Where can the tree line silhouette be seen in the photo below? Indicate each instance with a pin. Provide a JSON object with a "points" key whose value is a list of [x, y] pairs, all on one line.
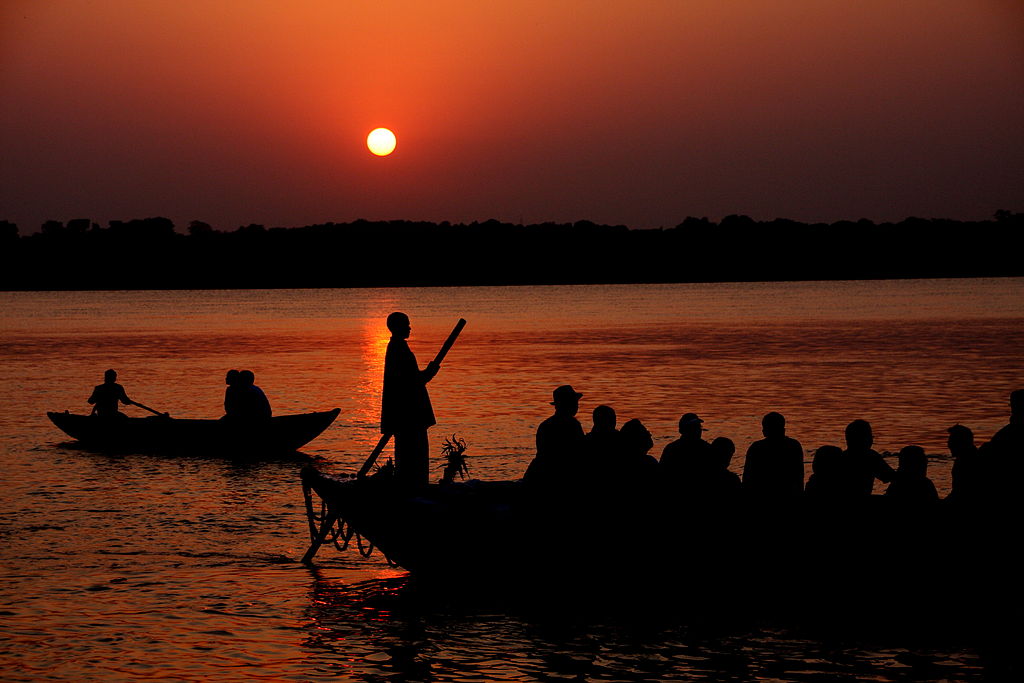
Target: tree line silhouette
{"points": [[149, 253]]}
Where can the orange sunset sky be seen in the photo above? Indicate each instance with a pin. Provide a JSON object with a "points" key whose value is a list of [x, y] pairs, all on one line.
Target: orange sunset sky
{"points": [[638, 112]]}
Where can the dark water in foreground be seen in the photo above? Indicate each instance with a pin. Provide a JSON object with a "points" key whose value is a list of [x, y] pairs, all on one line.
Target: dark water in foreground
{"points": [[142, 566]]}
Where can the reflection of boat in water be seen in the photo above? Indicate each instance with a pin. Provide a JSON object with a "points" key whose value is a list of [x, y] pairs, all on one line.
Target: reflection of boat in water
{"points": [[830, 559], [279, 434]]}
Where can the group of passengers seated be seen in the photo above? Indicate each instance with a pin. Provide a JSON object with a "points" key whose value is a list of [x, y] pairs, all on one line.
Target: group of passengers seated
{"points": [[243, 400], [618, 460]]}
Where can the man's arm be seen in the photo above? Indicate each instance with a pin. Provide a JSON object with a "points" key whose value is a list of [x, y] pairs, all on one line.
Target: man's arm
{"points": [[428, 373]]}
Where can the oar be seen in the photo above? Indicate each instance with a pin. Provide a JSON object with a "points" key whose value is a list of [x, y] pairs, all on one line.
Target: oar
{"points": [[445, 348], [155, 412]]}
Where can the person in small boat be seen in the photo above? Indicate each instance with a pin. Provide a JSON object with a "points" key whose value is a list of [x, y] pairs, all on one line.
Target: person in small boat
{"points": [[861, 464], [910, 483], [560, 440], [826, 481], [105, 397], [405, 409], [968, 472], [774, 466], [724, 483], [1003, 456], [233, 398], [254, 403], [687, 462]]}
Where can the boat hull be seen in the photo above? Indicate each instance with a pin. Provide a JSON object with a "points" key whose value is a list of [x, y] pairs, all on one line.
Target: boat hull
{"points": [[824, 559], [280, 434]]}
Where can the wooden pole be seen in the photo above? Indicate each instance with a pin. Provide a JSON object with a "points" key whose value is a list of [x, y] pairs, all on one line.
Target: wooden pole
{"points": [[325, 529], [450, 341], [373, 455]]}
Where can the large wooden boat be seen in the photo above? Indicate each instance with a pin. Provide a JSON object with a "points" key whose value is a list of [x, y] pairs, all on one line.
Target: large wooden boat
{"points": [[279, 434], [933, 561]]}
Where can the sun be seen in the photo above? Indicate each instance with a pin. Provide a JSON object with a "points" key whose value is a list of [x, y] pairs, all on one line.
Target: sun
{"points": [[381, 141]]}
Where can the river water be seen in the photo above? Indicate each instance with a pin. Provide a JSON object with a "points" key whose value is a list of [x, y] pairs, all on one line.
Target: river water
{"points": [[143, 566]]}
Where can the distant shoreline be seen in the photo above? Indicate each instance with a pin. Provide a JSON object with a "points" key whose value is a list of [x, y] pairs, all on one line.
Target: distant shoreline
{"points": [[530, 284], [149, 254]]}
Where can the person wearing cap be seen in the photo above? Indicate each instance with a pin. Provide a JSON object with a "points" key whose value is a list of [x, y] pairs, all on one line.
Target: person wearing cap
{"points": [[862, 464], [968, 475], [405, 405], [687, 462], [774, 466], [559, 441]]}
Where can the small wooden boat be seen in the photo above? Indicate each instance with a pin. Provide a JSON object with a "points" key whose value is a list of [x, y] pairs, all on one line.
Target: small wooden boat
{"points": [[279, 434]]}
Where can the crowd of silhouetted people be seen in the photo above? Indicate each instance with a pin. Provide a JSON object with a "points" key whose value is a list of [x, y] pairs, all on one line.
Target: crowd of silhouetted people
{"points": [[611, 460]]}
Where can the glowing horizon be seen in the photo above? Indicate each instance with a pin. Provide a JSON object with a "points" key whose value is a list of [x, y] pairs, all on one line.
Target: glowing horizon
{"points": [[804, 110]]}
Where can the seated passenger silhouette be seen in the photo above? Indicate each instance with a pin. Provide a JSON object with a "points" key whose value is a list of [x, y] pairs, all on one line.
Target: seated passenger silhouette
{"points": [[910, 483], [1003, 457], [255, 405], [861, 464], [774, 466], [602, 441], [723, 484], [626, 473], [968, 474], [635, 463], [233, 396], [827, 481], [687, 462], [106, 396], [559, 442]]}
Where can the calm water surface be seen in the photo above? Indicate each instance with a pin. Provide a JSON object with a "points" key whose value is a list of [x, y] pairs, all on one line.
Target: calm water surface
{"points": [[140, 566]]}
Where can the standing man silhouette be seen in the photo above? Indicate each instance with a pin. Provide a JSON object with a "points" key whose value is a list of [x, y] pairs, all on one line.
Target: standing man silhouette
{"points": [[405, 405]]}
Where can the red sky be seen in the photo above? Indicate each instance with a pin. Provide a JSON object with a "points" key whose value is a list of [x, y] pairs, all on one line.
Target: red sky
{"points": [[638, 112]]}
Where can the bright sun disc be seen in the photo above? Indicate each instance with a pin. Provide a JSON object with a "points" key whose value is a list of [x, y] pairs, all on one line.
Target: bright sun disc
{"points": [[381, 141]]}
